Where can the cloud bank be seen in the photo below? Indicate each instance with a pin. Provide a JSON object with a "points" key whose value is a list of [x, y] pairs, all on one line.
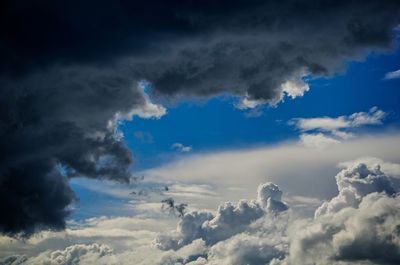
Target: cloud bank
{"points": [[360, 225]]}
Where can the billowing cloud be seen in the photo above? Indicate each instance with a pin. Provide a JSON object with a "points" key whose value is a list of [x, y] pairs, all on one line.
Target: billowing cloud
{"points": [[358, 226], [70, 69], [71, 127], [229, 220]]}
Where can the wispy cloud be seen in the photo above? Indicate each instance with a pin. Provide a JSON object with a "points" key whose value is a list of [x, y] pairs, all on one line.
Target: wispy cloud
{"points": [[373, 117], [392, 75], [324, 131], [181, 147]]}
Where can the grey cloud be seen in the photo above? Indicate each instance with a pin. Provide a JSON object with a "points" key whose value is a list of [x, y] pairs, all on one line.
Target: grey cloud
{"points": [[63, 120], [366, 234]]}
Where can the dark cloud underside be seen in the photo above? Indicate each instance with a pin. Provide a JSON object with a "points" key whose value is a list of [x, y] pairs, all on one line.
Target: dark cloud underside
{"points": [[68, 67]]}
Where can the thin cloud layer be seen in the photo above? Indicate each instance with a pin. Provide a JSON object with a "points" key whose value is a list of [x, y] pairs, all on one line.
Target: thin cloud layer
{"points": [[374, 116], [323, 132]]}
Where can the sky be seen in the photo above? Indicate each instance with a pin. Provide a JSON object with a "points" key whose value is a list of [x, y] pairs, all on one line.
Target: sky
{"points": [[200, 133]]}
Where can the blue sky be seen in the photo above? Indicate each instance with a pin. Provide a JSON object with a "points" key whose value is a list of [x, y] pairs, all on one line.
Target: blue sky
{"points": [[216, 124]]}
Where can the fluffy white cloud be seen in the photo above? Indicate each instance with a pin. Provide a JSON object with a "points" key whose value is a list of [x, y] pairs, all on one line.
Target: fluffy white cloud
{"points": [[354, 183], [358, 226], [230, 219], [366, 234], [293, 88]]}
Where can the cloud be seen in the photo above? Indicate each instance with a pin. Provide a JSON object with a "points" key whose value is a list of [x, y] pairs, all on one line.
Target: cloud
{"points": [[373, 117], [71, 126], [358, 226], [359, 230], [62, 93], [318, 140], [354, 183], [330, 131], [146, 110], [249, 167], [205, 49], [181, 147], [392, 75], [229, 220]]}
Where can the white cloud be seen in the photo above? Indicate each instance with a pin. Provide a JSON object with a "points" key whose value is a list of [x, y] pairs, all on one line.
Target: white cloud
{"points": [[358, 226], [290, 165], [392, 169], [230, 219], [148, 110], [181, 147], [373, 117], [354, 183], [247, 103], [295, 88], [392, 75], [318, 140], [327, 131]]}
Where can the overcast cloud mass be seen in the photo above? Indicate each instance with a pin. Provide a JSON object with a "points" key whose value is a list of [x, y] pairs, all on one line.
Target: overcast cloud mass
{"points": [[73, 72]]}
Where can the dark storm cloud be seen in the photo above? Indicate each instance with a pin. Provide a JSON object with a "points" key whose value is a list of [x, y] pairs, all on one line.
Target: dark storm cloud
{"points": [[68, 67], [58, 118]]}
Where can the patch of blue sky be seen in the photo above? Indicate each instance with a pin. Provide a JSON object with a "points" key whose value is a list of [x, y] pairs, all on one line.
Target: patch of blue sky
{"points": [[217, 124]]}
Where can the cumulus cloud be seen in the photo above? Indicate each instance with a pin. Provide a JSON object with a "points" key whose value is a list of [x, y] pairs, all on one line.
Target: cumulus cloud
{"points": [[229, 219], [354, 183], [360, 225]]}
